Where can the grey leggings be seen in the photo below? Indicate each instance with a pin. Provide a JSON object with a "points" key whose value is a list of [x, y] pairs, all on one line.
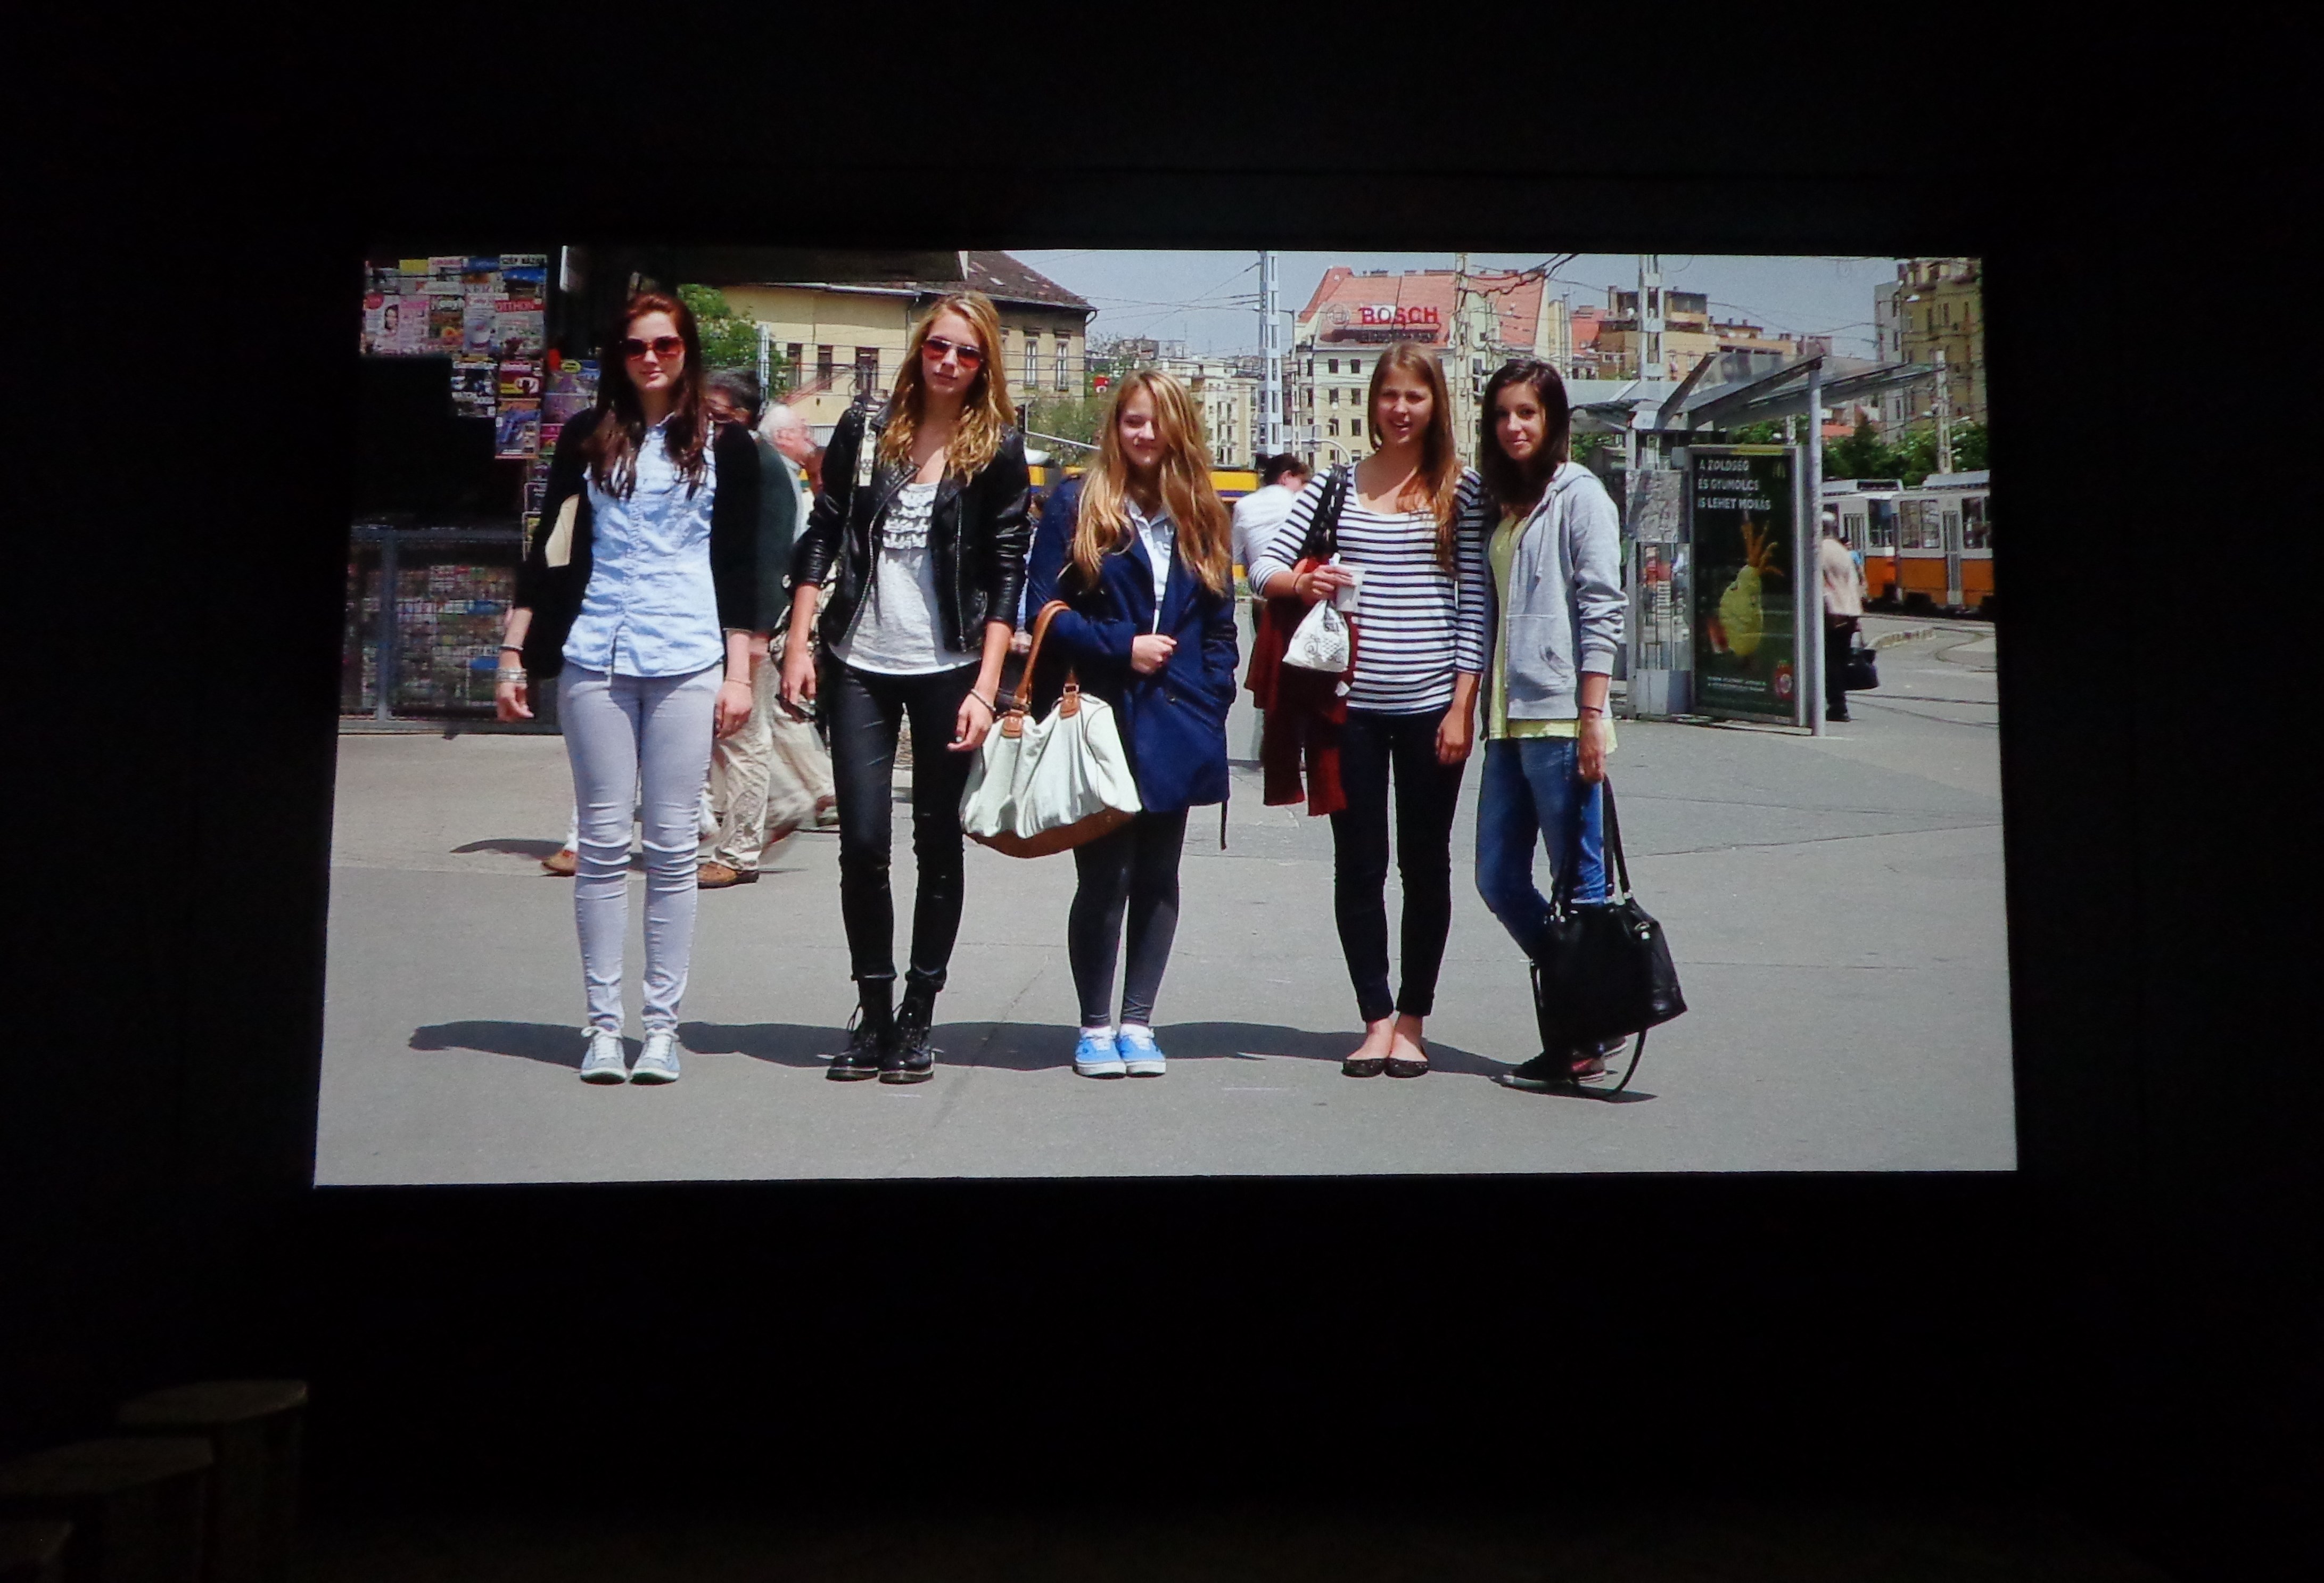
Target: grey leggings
{"points": [[646, 738], [1134, 869]]}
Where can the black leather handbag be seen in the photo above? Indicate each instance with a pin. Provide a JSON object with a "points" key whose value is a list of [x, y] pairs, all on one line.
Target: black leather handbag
{"points": [[1606, 971], [1862, 674]]}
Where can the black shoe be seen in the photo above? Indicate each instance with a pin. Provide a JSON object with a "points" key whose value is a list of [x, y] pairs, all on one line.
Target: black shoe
{"points": [[1837, 717], [910, 1058], [865, 1049], [1567, 1070]]}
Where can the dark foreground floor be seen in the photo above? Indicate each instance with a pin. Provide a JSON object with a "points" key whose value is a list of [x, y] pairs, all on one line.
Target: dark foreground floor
{"points": [[1621, 1540]]}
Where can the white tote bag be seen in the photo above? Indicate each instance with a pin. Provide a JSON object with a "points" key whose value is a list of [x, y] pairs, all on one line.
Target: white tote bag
{"points": [[1047, 785]]}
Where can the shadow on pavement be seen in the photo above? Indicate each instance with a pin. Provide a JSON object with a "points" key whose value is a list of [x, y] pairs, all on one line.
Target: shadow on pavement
{"points": [[786, 1044], [515, 846], [552, 1043], [1040, 1047]]}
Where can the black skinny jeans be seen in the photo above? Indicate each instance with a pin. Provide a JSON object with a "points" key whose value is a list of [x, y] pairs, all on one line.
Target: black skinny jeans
{"points": [[1428, 795], [865, 709], [1132, 869]]}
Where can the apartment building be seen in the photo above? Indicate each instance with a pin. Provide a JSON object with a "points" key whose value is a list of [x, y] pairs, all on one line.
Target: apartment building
{"points": [[1933, 304], [843, 341]]}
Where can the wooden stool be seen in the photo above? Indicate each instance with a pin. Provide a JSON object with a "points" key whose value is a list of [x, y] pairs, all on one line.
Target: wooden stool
{"points": [[253, 1427], [33, 1552], [137, 1505]]}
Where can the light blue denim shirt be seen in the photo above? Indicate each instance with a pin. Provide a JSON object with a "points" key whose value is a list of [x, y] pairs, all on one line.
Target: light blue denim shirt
{"points": [[650, 610]]}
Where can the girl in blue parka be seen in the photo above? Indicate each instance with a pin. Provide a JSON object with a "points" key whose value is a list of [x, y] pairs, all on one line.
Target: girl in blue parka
{"points": [[1140, 551]]}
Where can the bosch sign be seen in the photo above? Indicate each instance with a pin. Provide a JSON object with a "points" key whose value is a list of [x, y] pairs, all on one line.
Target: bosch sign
{"points": [[1382, 321]]}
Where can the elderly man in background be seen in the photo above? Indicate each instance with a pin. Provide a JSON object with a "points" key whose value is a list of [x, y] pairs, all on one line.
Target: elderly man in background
{"points": [[753, 806], [776, 772]]}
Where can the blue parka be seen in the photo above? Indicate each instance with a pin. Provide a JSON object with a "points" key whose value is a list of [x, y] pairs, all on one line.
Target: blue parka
{"points": [[1174, 723]]}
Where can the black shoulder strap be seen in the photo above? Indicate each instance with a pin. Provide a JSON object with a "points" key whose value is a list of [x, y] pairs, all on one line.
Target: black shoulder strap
{"points": [[1322, 541]]}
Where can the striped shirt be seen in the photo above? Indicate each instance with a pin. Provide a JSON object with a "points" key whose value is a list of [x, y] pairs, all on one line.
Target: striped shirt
{"points": [[1417, 625]]}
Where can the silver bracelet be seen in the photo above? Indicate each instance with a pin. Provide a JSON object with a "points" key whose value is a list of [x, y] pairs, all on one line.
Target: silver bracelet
{"points": [[509, 674]]}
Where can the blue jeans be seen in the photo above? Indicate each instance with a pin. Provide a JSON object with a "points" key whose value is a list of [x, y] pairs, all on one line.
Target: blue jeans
{"points": [[1533, 792]]}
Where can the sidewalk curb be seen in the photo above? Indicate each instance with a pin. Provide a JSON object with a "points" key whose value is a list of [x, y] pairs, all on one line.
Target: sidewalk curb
{"points": [[1909, 635]]}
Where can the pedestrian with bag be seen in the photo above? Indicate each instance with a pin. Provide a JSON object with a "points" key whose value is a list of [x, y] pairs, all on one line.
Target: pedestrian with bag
{"points": [[640, 596], [1553, 547], [921, 527], [1402, 539], [1139, 553], [1843, 614]]}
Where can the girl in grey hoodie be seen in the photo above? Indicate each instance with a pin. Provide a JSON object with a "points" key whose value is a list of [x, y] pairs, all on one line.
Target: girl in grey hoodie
{"points": [[1553, 622]]}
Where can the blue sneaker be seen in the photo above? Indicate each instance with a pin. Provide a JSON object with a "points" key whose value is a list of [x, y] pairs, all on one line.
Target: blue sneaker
{"points": [[1140, 1056], [1097, 1055]]}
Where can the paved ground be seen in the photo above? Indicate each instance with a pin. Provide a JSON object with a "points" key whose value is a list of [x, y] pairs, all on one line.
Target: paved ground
{"points": [[1835, 907]]}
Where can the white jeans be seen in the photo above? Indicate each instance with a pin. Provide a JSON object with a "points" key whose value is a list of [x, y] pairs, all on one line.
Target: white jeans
{"points": [[773, 771], [641, 741]]}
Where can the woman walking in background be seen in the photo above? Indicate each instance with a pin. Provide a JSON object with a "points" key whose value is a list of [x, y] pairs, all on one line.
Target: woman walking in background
{"points": [[639, 596], [921, 527], [1405, 538], [1555, 625], [1141, 552]]}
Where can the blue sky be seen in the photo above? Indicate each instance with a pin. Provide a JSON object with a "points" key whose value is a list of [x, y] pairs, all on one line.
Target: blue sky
{"points": [[1209, 299]]}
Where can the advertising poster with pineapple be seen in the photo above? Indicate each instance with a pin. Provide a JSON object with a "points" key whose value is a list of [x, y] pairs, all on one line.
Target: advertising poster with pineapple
{"points": [[1747, 660]]}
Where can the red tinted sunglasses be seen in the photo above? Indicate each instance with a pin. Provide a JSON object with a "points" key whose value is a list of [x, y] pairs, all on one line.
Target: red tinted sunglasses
{"points": [[935, 347], [664, 348]]}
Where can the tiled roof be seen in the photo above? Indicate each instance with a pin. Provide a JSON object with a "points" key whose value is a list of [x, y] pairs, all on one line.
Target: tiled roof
{"points": [[1000, 277], [1342, 297]]}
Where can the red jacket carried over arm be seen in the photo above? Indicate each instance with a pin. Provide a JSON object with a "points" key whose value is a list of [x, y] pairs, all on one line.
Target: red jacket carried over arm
{"points": [[1299, 747]]}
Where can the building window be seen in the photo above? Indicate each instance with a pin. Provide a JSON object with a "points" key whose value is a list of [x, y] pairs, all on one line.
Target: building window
{"points": [[1335, 366], [1334, 397], [1355, 365], [1333, 428], [1356, 427], [1032, 358], [824, 364], [1065, 360], [795, 354], [867, 371], [1311, 368]]}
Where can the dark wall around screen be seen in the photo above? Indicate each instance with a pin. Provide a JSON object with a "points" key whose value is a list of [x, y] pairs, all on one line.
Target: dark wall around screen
{"points": [[2122, 1325]]}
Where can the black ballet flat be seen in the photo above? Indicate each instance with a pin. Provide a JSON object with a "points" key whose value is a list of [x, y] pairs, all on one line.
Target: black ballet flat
{"points": [[1363, 1067], [1400, 1066]]}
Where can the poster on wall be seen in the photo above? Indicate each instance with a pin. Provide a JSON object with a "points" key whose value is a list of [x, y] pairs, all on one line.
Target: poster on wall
{"points": [[1747, 659]]}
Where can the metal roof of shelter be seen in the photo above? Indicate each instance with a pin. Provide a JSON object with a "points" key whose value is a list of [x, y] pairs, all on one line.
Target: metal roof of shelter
{"points": [[1784, 393]]}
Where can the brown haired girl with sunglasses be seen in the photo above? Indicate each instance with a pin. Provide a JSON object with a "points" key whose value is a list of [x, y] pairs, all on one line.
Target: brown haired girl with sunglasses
{"points": [[638, 594], [921, 528]]}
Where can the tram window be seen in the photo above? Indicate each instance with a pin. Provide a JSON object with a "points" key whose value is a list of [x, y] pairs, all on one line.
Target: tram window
{"points": [[1852, 530], [1976, 526]]}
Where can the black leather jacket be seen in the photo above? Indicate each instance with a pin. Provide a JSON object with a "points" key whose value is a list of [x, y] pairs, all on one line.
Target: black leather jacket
{"points": [[978, 528]]}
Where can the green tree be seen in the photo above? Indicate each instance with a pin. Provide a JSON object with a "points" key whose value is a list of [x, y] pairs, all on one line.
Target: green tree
{"points": [[1914, 455], [1968, 448], [728, 339], [1074, 418], [1757, 433], [1862, 454]]}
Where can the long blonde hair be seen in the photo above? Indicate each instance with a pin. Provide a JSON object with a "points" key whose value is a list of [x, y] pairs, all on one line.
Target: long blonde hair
{"points": [[986, 413], [1440, 463], [1205, 535]]}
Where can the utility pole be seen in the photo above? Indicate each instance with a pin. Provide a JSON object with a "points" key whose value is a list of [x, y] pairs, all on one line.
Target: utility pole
{"points": [[1650, 316], [765, 362], [1271, 441], [1464, 384], [1944, 416]]}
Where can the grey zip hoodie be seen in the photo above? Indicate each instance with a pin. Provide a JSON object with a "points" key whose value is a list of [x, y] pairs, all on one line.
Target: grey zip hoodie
{"points": [[1566, 606]]}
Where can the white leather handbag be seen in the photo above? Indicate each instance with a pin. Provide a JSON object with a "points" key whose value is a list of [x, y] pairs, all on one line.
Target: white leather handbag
{"points": [[1047, 785]]}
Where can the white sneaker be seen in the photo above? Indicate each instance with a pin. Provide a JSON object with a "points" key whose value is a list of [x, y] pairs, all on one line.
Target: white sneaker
{"points": [[602, 1062], [659, 1062]]}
